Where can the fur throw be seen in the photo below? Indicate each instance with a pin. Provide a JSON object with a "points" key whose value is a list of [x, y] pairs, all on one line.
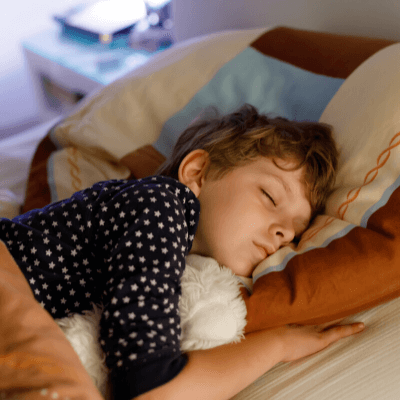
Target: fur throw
{"points": [[211, 308]]}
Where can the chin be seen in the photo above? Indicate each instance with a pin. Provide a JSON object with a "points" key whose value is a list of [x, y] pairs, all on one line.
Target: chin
{"points": [[241, 270]]}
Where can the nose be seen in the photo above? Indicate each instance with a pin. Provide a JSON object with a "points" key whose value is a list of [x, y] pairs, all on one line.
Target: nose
{"points": [[282, 233]]}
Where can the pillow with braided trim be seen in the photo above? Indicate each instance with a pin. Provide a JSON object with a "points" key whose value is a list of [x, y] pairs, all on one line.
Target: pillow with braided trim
{"points": [[348, 260]]}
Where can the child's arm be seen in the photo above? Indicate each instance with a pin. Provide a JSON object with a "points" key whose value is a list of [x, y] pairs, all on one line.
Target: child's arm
{"points": [[222, 372]]}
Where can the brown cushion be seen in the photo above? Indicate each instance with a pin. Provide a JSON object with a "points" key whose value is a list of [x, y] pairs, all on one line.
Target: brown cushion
{"points": [[322, 53]]}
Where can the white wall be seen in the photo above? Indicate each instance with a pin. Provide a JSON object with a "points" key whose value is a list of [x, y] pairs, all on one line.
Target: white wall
{"points": [[18, 20], [21, 18], [373, 18]]}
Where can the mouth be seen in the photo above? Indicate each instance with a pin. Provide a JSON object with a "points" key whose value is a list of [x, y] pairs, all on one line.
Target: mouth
{"points": [[263, 251]]}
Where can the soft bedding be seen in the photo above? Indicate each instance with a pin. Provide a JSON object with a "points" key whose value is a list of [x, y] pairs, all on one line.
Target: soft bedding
{"points": [[348, 260], [359, 368], [129, 128], [16, 154]]}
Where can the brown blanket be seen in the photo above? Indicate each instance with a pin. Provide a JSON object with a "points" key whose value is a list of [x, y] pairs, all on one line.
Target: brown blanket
{"points": [[36, 359]]}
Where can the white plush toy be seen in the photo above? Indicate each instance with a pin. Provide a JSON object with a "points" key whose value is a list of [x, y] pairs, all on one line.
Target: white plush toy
{"points": [[211, 308]]}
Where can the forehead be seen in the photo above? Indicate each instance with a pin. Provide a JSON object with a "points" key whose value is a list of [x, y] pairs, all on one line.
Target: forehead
{"points": [[284, 174], [284, 170]]}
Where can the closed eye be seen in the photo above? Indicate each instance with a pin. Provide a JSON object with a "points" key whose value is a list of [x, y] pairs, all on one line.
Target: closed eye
{"points": [[272, 200]]}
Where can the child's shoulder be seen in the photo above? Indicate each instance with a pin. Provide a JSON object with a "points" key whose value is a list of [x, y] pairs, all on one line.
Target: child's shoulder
{"points": [[156, 185]]}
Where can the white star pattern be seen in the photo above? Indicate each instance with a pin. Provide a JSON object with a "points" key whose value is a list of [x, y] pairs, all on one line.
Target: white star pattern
{"points": [[113, 244]]}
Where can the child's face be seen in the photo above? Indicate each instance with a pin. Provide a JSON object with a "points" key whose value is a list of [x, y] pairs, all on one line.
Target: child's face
{"points": [[240, 225]]}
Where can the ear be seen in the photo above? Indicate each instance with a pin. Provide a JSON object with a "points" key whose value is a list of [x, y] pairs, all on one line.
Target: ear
{"points": [[193, 169]]}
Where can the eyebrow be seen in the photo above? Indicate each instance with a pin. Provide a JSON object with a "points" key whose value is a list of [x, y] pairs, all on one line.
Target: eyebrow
{"points": [[282, 182]]}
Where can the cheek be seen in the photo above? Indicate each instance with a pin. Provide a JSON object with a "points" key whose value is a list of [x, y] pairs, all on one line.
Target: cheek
{"points": [[219, 231]]}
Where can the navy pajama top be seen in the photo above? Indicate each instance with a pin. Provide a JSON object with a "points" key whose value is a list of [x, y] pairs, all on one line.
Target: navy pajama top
{"points": [[122, 244]]}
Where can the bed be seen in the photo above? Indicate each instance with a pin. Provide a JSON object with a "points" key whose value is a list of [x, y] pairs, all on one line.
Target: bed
{"points": [[346, 266]]}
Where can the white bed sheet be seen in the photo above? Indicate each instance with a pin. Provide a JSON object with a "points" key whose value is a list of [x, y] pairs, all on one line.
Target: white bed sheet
{"points": [[16, 153]]}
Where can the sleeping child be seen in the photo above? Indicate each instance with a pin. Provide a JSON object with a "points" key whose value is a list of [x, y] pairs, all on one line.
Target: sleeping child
{"points": [[236, 188]]}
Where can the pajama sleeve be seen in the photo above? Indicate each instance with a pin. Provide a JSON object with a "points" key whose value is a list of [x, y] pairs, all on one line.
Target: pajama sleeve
{"points": [[144, 233]]}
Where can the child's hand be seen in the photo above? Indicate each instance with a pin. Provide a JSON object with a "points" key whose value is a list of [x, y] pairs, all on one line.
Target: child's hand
{"points": [[301, 341]]}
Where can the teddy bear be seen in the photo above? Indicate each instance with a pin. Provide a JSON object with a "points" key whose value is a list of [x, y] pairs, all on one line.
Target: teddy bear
{"points": [[212, 313]]}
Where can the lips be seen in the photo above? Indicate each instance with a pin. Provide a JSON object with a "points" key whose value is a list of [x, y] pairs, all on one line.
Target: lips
{"points": [[265, 251]]}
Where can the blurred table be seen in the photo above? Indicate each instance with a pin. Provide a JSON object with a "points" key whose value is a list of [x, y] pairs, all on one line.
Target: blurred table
{"points": [[64, 70]]}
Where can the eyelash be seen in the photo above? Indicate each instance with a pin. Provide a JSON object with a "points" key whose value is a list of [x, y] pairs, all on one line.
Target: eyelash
{"points": [[273, 201]]}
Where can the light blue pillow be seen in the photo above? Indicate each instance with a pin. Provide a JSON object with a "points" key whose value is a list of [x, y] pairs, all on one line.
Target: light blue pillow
{"points": [[273, 86]]}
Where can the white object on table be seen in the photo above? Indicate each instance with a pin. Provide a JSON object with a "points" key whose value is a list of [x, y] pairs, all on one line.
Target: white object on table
{"points": [[64, 70]]}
